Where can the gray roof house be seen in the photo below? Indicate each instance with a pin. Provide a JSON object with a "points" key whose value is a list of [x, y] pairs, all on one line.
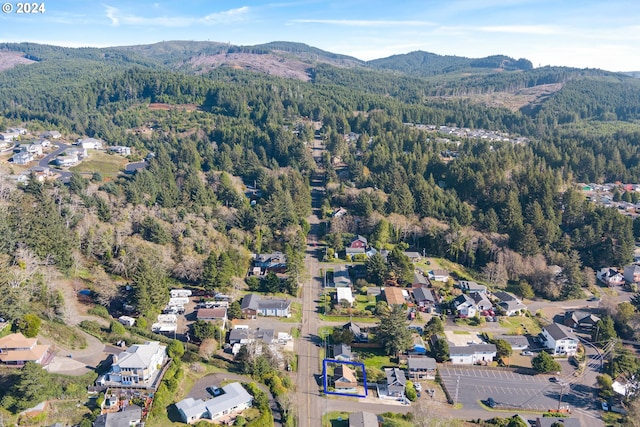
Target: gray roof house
{"points": [[139, 364], [423, 297], [468, 286], [342, 352], [472, 354], [358, 334], [363, 419], [517, 342], [420, 368], [253, 305], [511, 305], [130, 416], [580, 319], [560, 339], [394, 387], [481, 300], [234, 398]]}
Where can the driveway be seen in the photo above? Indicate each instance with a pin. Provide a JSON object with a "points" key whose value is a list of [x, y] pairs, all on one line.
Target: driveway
{"points": [[44, 162]]}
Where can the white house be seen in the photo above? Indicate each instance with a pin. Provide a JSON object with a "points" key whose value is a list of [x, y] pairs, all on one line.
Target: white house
{"points": [[64, 161], [232, 399], [610, 276], [9, 136], [469, 287], [439, 275], [120, 149], [511, 305], [51, 134], [560, 339], [472, 354], [464, 305], [344, 294], [89, 143], [127, 321], [22, 158], [180, 293], [139, 364]]}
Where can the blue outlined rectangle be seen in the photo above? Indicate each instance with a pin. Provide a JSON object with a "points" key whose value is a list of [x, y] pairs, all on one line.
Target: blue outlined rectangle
{"points": [[341, 362]]}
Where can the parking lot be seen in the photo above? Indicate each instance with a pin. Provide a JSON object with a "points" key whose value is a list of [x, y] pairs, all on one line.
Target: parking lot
{"points": [[509, 389]]}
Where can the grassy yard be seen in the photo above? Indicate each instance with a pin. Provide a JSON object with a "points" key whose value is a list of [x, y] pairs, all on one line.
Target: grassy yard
{"points": [[108, 165], [346, 319], [520, 325], [365, 302], [61, 334], [335, 419], [375, 358], [296, 313]]}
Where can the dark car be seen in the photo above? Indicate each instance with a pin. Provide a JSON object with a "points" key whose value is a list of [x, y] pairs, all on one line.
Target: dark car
{"points": [[491, 403]]}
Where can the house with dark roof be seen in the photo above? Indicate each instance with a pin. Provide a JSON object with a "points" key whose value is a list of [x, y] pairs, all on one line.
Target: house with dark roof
{"points": [[610, 276], [510, 304], [472, 354], [358, 334], [470, 287], [213, 314], [254, 305], [439, 275], [130, 416], [342, 352], [357, 246], [481, 301], [344, 379], [413, 256], [560, 339], [580, 320], [423, 297], [363, 419], [421, 368], [394, 386], [419, 280], [554, 421], [464, 305]]}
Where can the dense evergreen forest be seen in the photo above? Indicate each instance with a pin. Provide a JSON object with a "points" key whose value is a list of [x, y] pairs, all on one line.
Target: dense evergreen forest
{"points": [[505, 211]]}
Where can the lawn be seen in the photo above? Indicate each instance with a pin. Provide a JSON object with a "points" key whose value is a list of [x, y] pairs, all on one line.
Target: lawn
{"points": [[108, 165], [296, 313], [335, 419], [365, 302], [520, 325], [346, 319], [63, 335], [375, 358]]}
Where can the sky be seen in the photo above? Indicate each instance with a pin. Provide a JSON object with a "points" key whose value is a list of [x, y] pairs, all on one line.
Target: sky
{"points": [[576, 33]]}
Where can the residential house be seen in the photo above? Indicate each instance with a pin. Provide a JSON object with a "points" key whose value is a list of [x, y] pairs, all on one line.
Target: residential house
{"points": [[79, 152], [394, 295], [40, 173], [511, 305], [419, 280], [180, 293], [632, 273], [139, 364], [339, 212], [580, 320], [472, 354], [51, 134], [421, 368], [439, 275], [413, 256], [470, 287], [481, 301], [35, 149], [218, 314], [44, 142], [341, 278], [464, 305], [126, 320], [89, 143], [363, 419], [9, 136], [555, 421], [130, 416], [16, 350], [254, 305], [64, 161], [164, 328], [610, 276], [276, 262], [342, 352], [344, 379], [120, 149], [560, 339], [240, 336], [232, 400], [418, 345], [395, 384], [344, 294], [19, 131], [424, 297], [358, 334], [357, 246], [22, 158], [517, 342]]}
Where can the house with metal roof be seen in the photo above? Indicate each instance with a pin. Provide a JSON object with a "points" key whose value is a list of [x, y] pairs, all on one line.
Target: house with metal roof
{"points": [[363, 419], [254, 305], [421, 368], [472, 354], [233, 399], [139, 364], [131, 415], [560, 340]]}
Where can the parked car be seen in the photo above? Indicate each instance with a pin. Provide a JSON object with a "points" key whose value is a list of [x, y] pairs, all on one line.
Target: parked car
{"points": [[553, 379], [417, 386], [491, 403], [605, 406], [526, 353]]}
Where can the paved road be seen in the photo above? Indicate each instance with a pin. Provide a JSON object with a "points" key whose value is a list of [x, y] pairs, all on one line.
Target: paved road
{"points": [[44, 162]]}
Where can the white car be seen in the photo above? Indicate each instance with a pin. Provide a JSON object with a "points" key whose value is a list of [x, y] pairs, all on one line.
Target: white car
{"points": [[605, 406], [527, 353], [417, 386]]}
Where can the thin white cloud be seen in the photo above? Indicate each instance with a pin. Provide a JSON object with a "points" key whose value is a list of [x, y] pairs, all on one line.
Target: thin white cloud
{"points": [[224, 17], [522, 29], [364, 23]]}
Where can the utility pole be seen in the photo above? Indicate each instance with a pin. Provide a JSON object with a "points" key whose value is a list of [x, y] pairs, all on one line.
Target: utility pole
{"points": [[457, 388], [561, 393]]}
